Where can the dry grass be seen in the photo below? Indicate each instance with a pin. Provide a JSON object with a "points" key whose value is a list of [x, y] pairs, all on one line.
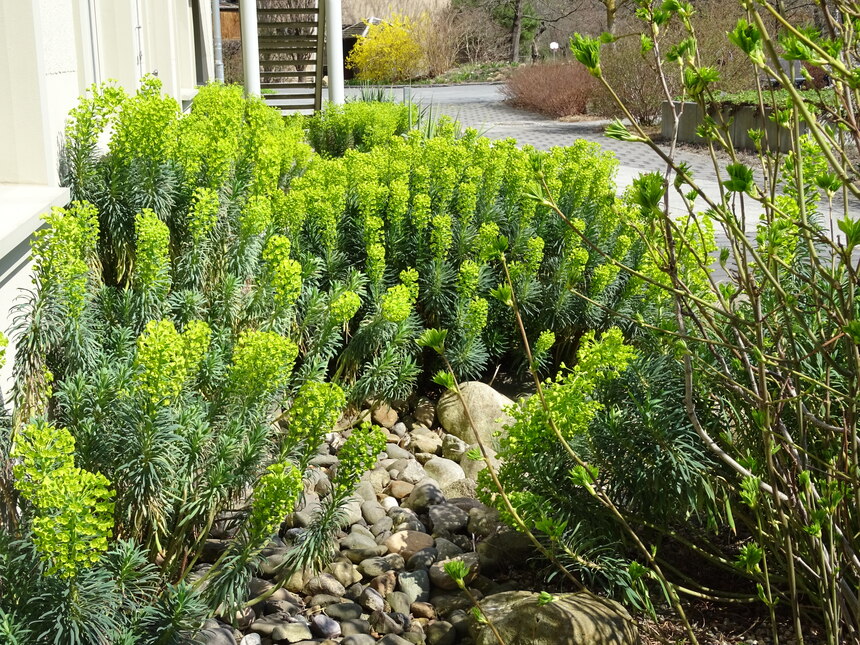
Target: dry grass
{"points": [[554, 89], [358, 10]]}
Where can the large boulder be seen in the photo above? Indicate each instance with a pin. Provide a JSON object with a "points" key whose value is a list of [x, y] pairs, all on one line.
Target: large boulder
{"points": [[486, 407], [571, 619]]}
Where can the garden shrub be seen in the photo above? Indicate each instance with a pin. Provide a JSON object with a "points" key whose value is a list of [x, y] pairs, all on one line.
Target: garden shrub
{"points": [[357, 124], [554, 89], [390, 52], [212, 273], [164, 332]]}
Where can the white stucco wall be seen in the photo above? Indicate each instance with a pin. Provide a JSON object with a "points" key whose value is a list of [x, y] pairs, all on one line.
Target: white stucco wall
{"points": [[50, 52]]}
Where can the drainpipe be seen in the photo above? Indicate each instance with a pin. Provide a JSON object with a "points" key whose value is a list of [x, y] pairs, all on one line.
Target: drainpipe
{"points": [[139, 34], [216, 41], [250, 46], [334, 50]]}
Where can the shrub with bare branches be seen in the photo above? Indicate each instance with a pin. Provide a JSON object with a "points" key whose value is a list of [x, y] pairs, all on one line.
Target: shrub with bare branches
{"points": [[554, 89]]}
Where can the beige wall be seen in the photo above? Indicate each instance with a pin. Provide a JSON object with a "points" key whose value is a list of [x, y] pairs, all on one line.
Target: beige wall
{"points": [[52, 50]]}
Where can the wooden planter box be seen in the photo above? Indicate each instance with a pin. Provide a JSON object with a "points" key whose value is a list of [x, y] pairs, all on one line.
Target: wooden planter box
{"points": [[741, 120]]}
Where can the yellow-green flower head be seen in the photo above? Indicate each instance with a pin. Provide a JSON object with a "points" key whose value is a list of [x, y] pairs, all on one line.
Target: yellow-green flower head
{"points": [[476, 316], [398, 301], [256, 216], [486, 240], [73, 511], [315, 411], [275, 497], [166, 359], [203, 214], [375, 262], [286, 273], [262, 364], [344, 307], [152, 258], [441, 236], [358, 455], [467, 280]]}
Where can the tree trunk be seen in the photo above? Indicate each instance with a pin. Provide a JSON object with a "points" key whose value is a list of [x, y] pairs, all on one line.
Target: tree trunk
{"points": [[516, 31]]}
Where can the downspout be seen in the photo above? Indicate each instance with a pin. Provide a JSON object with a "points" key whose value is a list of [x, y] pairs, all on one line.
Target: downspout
{"points": [[139, 29], [217, 50], [95, 55]]}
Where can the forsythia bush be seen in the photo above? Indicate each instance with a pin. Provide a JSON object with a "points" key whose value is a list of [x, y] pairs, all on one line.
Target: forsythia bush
{"points": [[389, 52]]}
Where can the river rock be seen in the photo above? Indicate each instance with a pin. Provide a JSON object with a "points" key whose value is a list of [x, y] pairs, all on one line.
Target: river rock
{"points": [[324, 584], [444, 471], [400, 489], [441, 633], [407, 470], [383, 415], [571, 619], [424, 440], [415, 584], [396, 452], [487, 410], [408, 543], [292, 633], [447, 517], [441, 579], [425, 494], [453, 447], [371, 600], [359, 639], [344, 611]]}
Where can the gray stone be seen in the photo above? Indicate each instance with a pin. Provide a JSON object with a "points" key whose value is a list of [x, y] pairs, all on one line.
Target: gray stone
{"points": [[486, 407], [358, 540], [383, 623], [378, 478], [383, 525], [484, 522], [441, 633], [415, 584], [424, 412], [423, 559], [447, 602], [359, 639], [407, 470], [453, 448], [444, 471], [425, 494], [344, 572], [441, 579], [325, 626], [446, 549], [352, 626], [324, 600], [424, 440], [359, 555], [351, 512], [324, 584], [396, 452], [394, 639], [473, 466], [266, 625], [384, 584], [283, 607], [504, 548], [292, 632], [372, 567], [461, 488], [344, 611], [216, 636], [571, 619], [251, 639], [447, 517], [422, 610], [371, 600], [324, 461], [400, 429], [398, 601], [372, 511]]}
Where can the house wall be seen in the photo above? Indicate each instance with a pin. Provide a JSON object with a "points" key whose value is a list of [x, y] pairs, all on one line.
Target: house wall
{"points": [[51, 51]]}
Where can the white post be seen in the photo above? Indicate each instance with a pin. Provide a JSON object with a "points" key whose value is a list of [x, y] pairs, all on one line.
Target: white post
{"points": [[250, 46], [217, 49], [334, 51]]}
